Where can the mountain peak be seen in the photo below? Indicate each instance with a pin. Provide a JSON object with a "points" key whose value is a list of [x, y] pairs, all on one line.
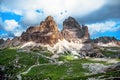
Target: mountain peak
{"points": [[46, 33], [49, 18], [71, 18], [70, 22], [72, 30], [50, 24]]}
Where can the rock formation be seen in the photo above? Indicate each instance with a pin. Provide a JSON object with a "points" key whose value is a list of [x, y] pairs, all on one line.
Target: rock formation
{"points": [[114, 67], [85, 32], [72, 30], [46, 33], [72, 38]]}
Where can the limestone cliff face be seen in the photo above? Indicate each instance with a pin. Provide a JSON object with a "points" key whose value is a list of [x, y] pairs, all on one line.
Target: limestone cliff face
{"points": [[46, 33], [72, 30]]}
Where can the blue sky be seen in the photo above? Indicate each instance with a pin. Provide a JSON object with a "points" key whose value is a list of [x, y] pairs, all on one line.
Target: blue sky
{"points": [[9, 16], [102, 17]]}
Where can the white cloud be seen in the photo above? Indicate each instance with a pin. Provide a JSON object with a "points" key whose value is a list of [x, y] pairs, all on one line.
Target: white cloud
{"points": [[27, 8], [103, 27], [10, 25], [32, 17]]}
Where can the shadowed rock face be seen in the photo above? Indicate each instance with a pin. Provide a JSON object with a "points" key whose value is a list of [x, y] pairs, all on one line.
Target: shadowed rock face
{"points": [[46, 33], [72, 30], [2, 41], [85, 32]]}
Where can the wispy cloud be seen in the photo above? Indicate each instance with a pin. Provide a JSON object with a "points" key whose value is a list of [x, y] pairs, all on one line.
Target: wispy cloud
{"points": [[107, 26]]}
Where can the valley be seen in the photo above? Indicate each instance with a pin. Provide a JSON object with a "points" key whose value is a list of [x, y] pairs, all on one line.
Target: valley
{"points": [[34, 66]]}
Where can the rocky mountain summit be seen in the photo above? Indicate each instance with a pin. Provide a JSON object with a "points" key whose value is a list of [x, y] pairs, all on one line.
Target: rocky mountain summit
{"points": [[46, 33], [72, 30]]}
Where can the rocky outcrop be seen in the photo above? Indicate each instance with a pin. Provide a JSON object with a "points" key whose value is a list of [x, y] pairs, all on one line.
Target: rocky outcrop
{"points": [[72, 30], [114, 67], [46, 33]]}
